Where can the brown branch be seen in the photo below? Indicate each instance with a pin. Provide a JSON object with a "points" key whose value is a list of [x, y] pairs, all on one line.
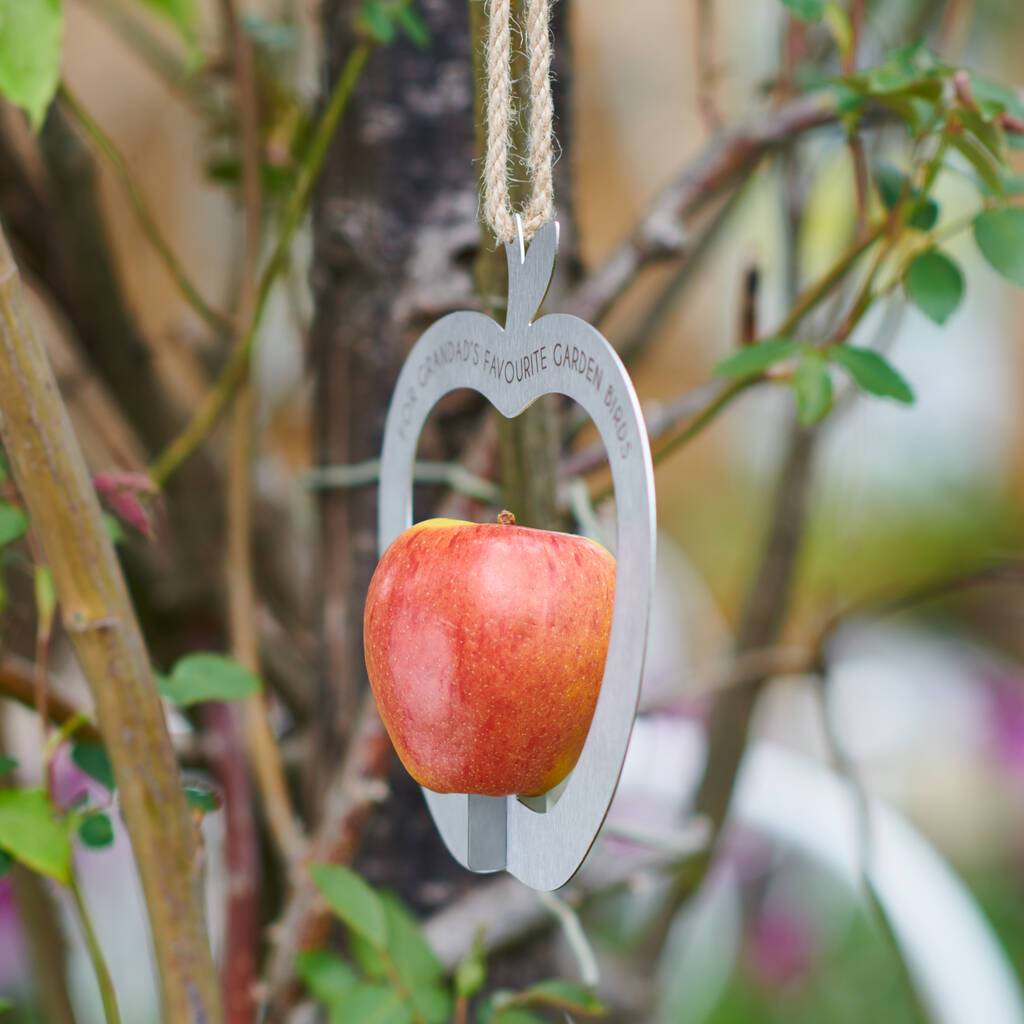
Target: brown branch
{"points": [[250, 725], [660, 235], [704, 43], [100, 621], [224, 733], [349, 798], [18, 681], [264, 754], [42, 927]]}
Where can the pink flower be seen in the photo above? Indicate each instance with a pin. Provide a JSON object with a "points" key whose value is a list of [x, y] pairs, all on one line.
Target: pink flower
{"points": [[1006, 721], [780, 948]]}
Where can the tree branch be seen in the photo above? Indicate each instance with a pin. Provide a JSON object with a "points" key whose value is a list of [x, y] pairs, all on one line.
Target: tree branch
{"points": [[248, 724], [659, 235], [100, 621], [18, 680]]}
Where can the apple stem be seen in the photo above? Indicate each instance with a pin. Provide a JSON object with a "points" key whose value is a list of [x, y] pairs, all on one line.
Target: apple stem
{"points": [[506, 518]]}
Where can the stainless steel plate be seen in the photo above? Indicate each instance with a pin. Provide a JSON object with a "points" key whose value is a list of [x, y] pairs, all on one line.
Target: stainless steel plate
{"points": [[542, 843]]}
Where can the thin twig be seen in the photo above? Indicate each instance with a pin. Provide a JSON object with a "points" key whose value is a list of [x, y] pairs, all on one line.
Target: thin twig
{"points": [[234, 372], [659, 235], [575, 936], [265, 762], [264, 753], [99, 138], [453, 475], [704, 48], [99, 964]]}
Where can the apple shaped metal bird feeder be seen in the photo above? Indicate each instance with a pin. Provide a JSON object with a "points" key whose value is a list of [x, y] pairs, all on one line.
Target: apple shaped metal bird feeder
{"points": [[542, 841]]}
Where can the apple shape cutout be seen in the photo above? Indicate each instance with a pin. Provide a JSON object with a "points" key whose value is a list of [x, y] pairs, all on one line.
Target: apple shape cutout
{"points": [[541, 840], [485, 648]]}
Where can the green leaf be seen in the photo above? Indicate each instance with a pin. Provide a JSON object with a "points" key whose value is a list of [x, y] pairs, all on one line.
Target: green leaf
{"points": [[5, 866], [31, 833], [989, 134], [891, 183], [13, 523], [872, 373], [92, 759], [326, 977], [370, 1004], [924, 214], [806, 10], [413, 25], [812, 386], [1000, 237], [201, 798], [514, 1015], [995, 98], [431, 1004], [378, 22], [414, 959], [202, 677], [181, 14], [563, 995], [7, 764], [406, 951], [838, 23], [353, 901], [31, 38], [115, 531], [96, 831], [893, 187], [981, 160], [935, 284], [5, 1005], [756, 358], [471, 973]]}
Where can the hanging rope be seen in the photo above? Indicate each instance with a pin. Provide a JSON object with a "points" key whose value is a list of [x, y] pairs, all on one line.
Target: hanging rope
{"points": [[497, 201]]}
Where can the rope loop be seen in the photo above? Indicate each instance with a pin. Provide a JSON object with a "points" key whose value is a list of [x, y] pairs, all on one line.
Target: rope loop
{"points": [[497, 201]]}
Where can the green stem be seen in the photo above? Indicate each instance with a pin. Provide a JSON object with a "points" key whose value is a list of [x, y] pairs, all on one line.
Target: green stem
{"points": [[400, 987], [814, 295], [99, 138], [223, 390], [99, 963]]}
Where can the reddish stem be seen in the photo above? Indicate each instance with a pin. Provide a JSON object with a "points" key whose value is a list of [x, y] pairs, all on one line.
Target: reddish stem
{"points": [[239, 970]]}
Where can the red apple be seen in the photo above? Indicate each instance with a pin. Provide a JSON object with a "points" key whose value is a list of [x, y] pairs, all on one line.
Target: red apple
{"points": [[485, 646]]}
